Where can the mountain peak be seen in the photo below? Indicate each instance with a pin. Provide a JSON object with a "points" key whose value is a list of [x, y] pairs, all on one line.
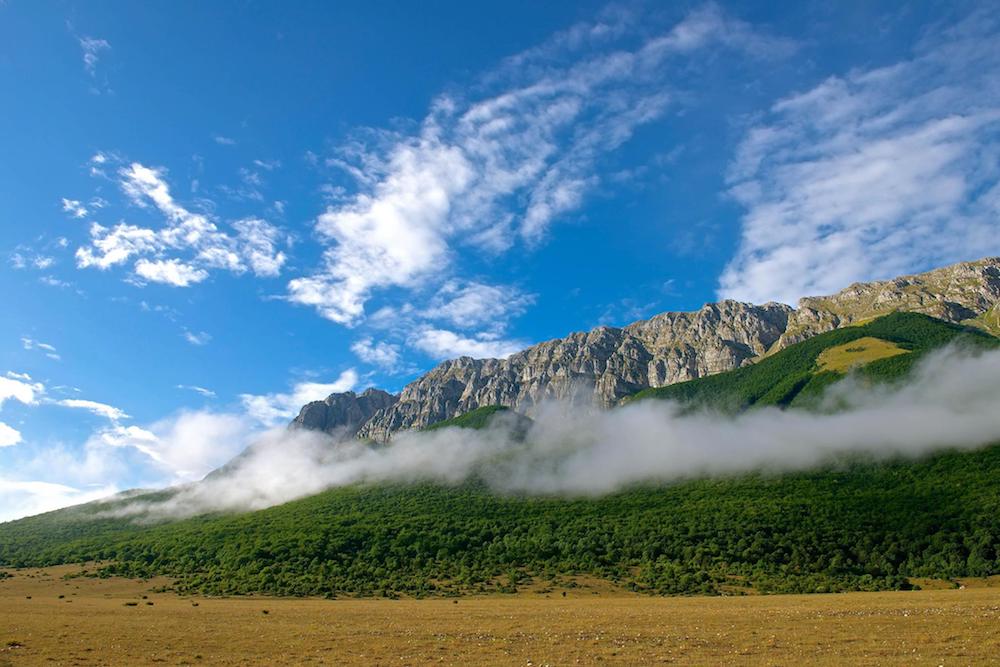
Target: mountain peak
{"points": [[343, 412], [606, 364]]}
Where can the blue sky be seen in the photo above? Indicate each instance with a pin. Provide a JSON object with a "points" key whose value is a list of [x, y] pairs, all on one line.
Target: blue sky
{"points": [[211, 213]]}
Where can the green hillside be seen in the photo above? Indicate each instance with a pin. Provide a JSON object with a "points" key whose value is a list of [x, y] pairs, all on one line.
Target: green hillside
{"points": [[858, 525], [867, 526], [478, 418], [794, 376], [515, 423]]}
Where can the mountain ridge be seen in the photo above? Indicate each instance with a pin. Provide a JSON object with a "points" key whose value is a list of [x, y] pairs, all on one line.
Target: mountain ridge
{"points": [[607, 364], [859, 519]]}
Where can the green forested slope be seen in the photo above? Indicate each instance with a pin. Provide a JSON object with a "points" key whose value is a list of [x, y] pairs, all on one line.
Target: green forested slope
{"points": [[866, 526], [860, 525], [478, 418]]}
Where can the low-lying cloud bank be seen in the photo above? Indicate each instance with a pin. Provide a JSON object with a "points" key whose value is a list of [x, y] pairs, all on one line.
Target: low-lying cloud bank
{"points": [[952, 401]]}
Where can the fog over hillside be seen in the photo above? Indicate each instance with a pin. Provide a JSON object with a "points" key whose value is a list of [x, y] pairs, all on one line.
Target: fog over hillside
{"points": [[951, 401]]}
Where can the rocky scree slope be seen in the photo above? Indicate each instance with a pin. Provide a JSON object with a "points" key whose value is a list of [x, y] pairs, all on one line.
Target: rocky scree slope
{"points": [[606, 364]]}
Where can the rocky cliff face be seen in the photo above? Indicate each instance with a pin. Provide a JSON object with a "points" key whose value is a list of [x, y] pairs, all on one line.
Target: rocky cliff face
{"points": [[966, 293], [343, 413], [600, 366], [604, 365]]}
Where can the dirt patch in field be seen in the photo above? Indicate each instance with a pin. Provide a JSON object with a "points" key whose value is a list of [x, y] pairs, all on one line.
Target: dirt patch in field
{"points": [[48, 619]]}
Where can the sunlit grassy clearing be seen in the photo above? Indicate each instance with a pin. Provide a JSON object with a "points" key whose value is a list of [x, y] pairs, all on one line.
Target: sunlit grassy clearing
{"points": [[843, 358]]}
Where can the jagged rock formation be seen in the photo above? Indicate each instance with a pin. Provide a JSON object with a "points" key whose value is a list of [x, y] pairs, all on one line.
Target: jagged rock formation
{"points": [[345, 412], [604, 365], [600, 366]]}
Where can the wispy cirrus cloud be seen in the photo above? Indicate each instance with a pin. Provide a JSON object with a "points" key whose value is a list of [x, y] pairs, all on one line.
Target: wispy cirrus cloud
{"points": [[202, 391], [74, 207], [25, 258], [198, 338], [109, 412], [92, 48], [496, 167], [873, 174], [489, 170], [47, 349]]}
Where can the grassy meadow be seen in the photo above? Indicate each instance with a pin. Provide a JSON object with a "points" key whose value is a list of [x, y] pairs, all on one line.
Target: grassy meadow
{"points": [[46, 618]]}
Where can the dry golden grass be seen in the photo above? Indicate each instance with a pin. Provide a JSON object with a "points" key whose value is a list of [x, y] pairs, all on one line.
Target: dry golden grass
{"points": [[91, 625], [843, 358]]}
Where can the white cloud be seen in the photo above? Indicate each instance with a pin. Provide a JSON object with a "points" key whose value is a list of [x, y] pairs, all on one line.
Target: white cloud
{"points": [[92, 49], [473, 304], [187, 446], [181, 448], [207, 393], [274, 409], [462, 305], [9, 436], [20, 387], [178, 449], [873, 174], [710, 25], [114, 246], [950, 405], [169, 271], [498, 170], [52, 281], [444, 344], [197, 338], [26, 498], [613, 22], [48, 350], [252, 246], [259, 240], [224, 141], [249, 187], [100, 409], [392, 238], [382, 354], [24, 258], [74, 207], [97, 162], [267, 165]]}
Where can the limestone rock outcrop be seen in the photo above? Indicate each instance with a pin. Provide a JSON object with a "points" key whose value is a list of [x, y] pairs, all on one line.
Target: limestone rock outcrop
{"points": [[343, 412], [602, 366]]}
